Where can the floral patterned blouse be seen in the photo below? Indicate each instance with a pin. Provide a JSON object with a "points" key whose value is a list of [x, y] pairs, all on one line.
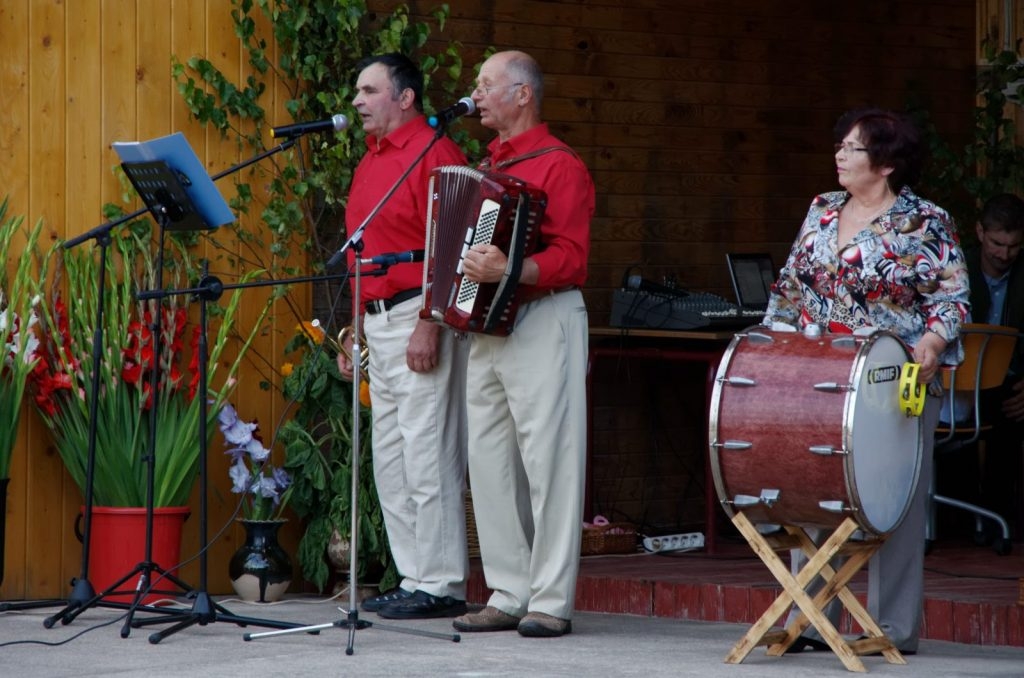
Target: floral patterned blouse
{"points": [[904, 272]]}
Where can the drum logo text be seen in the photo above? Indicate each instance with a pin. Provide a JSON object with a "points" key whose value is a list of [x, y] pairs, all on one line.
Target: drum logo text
{"points": [[883, 374]]}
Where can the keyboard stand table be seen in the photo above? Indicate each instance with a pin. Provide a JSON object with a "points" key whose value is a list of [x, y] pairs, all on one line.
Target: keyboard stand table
{"points": [[685, 346]]}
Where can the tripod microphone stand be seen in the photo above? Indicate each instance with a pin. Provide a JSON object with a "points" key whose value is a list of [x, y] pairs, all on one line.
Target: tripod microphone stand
{"points": [[83, 595], [204, 610], [351, 621], [82, 590]]}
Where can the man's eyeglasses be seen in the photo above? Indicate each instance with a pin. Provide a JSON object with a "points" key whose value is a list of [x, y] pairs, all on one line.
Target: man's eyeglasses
{"points": [[485, 91], [849, 148]]}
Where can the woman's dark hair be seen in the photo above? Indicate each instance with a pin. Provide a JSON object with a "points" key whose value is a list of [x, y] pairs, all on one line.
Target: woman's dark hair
{"points": [[402, 72], [892, 141]]}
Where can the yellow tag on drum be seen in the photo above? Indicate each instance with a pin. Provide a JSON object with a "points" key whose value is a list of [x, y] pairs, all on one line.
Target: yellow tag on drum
{"points": [[911, 392]]}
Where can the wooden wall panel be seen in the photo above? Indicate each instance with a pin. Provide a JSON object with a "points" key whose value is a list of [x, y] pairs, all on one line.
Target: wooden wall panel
{"points": [[15, 111], [716, 112], [46, 134], [706, 124]]}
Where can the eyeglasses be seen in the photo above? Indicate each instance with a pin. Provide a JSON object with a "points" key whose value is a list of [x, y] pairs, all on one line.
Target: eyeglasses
{"points": [[485, 91], [848, 148]]}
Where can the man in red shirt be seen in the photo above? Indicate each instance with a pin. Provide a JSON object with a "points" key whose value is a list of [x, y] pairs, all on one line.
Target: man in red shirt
{"points": [[417, 367], [527, 392]]}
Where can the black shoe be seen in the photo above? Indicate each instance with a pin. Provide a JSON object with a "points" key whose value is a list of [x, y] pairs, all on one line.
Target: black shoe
{"points": [[394, 595], [905, 653], [803, 642], [909, 653], [422, 605]]}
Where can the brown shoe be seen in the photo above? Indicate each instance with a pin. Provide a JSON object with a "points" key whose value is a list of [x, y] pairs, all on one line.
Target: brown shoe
{"points": [[487, 619], [540, 625]]}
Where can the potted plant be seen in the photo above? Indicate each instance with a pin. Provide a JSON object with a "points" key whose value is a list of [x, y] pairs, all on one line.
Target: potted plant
{"points": [[62, 383], [17, 343], [317, 441]]}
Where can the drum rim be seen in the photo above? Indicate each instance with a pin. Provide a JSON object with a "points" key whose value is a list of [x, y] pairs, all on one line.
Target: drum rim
{"points": [[849, 417], [713, 410]]}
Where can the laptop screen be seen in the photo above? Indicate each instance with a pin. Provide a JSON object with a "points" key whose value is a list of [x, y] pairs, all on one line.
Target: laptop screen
{"points": [[752, 277]]}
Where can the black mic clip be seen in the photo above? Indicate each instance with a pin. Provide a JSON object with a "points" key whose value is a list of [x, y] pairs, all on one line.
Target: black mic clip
{"points": [[443, 118], [392, 258]]}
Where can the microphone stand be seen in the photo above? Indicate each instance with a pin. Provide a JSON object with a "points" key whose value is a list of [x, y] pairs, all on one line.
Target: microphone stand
{"points": [[84, 595], [351, 621], [82, 591], [204, 610]]}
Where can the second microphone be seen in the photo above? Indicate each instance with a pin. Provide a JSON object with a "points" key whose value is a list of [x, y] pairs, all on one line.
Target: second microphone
{"points": [[392, 258]]}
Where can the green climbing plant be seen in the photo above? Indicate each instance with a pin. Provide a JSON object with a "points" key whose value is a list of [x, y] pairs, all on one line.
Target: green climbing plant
{"points": [[991, 161]]}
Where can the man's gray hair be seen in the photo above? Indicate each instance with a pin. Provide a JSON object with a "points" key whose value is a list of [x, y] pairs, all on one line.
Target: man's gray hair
{"points": [[523, 68]]}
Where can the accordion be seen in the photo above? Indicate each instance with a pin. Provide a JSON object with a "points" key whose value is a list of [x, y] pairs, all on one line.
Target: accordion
{"points": [[470, 207]]}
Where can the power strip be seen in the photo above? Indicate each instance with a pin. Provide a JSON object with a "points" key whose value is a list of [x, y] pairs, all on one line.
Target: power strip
{"points": [[674, 542]]}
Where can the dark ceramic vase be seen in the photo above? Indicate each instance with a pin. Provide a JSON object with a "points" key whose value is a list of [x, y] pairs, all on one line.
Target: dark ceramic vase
{"points": [[260, 569]]}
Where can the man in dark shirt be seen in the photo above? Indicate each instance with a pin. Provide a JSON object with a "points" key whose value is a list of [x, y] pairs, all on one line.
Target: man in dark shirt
{"points": [[996, 272]]}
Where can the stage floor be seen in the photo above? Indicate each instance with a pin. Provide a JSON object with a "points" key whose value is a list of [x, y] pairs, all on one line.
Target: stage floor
{"points": [[972, 595]]}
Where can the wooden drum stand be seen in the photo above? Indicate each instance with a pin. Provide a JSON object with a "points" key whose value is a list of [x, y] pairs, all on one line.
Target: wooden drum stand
{"points": [[794, 592]]}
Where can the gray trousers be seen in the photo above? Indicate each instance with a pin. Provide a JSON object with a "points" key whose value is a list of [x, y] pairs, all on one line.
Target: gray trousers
{"points": [[896, 570]]}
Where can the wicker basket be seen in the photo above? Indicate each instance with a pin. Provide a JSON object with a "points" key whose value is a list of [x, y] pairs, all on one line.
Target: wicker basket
{"points": [[607, 539], [472, 540]]}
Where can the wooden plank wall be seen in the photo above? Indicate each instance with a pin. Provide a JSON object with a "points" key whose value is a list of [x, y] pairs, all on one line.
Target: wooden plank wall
{"points": [[79, 76], [706, 124]]}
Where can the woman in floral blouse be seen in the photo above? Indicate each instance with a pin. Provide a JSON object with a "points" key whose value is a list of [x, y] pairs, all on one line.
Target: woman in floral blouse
{"points": [[876, 255]]}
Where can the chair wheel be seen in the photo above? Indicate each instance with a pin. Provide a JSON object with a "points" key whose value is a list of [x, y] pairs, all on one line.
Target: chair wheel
{"points": [[981, 538], [928, 544], [1002, 546]]}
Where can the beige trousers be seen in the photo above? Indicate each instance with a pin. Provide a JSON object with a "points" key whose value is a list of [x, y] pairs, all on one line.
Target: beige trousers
{"points": [[526, 397]]}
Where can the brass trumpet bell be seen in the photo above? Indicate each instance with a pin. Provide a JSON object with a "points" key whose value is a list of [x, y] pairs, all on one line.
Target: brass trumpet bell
{"points": [[364, 352]]}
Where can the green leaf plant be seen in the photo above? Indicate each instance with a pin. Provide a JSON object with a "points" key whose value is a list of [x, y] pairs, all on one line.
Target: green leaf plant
{"points": [[17, 323], [962, 177], [62, 381]]}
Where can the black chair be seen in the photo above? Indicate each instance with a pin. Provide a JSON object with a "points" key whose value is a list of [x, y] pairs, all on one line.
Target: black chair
{"points": [[988, 350]]}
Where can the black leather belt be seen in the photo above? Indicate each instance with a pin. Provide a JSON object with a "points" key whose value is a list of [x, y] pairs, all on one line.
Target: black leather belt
{"points": [[381, 305]]}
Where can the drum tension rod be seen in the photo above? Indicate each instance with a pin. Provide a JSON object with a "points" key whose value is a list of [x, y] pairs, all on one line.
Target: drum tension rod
{"points": [[733, 445], [826, 450], [833, 387], [768, 497], [836, 506]]}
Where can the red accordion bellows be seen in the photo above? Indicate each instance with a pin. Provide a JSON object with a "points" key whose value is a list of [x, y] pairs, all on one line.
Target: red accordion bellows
{"points": [[469, 207]]}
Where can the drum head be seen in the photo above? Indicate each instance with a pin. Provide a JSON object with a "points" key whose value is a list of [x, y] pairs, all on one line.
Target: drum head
{"points": [[884, 444]]}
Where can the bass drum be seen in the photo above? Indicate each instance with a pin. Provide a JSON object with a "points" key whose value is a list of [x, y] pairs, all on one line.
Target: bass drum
{"points": [[807, 430]]}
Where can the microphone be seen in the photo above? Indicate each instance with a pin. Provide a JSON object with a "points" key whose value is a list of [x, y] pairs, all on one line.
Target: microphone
{"points": [[445, 117], [336, 123], [392, 258], [635, 282]]}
